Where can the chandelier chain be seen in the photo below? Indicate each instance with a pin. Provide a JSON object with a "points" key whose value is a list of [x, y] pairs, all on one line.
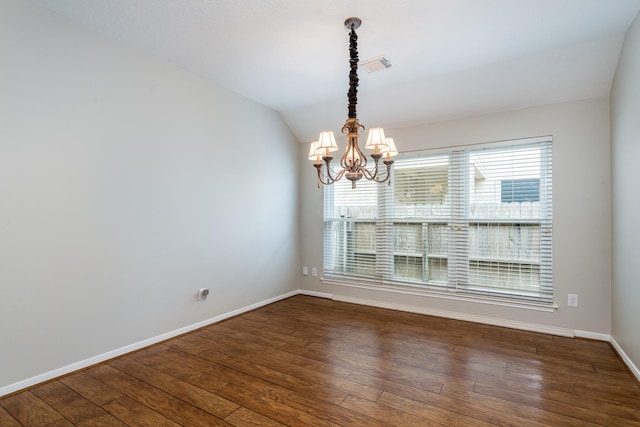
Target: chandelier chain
{"points": [[353, 73]]}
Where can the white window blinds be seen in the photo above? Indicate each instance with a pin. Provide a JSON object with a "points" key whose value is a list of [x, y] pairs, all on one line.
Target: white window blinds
{"points": [[350, 237], [471, 221]]}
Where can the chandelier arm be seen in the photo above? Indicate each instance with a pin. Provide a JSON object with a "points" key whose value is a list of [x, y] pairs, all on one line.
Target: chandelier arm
{"points": [[326, 178], [372, 174], [358, 157], [339, 175], [343, 161], [329, 179], [376, 176], [319, 168], [335, 178], [387, 176], [360, 128], [388, 163]]}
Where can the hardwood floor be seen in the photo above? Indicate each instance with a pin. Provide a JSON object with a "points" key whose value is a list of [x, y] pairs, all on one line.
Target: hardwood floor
{"points": [[307, 361]]}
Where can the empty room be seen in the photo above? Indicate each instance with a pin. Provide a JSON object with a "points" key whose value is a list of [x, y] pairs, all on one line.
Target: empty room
{"points": [[319, 213]]}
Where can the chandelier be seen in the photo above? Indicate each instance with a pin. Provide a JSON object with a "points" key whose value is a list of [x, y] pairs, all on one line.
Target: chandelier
{"points": [[353, 163]]}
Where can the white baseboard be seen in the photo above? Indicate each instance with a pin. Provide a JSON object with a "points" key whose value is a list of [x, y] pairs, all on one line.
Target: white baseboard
{"points": [[593, 336], [514, 324], [632, 367], [315, 294], [30, 382]]}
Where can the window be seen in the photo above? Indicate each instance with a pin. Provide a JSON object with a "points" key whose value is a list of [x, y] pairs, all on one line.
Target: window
{"points": [[472, 221], [520, 190]]}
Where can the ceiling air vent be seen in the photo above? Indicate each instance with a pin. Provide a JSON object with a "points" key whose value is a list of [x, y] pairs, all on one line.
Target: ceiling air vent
{"points": [[375, 64]]}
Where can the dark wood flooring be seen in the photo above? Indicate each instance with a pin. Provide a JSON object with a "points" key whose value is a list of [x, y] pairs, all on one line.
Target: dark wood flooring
{"points": [[307, 361]]}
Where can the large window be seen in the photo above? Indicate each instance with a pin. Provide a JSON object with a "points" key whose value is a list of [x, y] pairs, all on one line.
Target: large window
{"points": [[471, 221]]}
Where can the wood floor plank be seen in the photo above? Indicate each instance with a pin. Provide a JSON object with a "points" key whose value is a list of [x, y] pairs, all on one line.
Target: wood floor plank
{"points": [[275, 363], [384, 415], [67, 423], [433, 414], [505, 335], [575, 415], [291, 382], [570, 374], [314, 378], [134, 413], [158, 400], [209, 402], [244, 417], [75, 408], [258, 396], [574, 403], [225, 375], [307, 361], [397, 354], [618, 372], [580, 388], [90, 388], [186, 344], [271, 334], [245, 336], [499, 411], [30, 410], [390, 369], [533, 359], [335, 414], [600, 356], [233, 348], [495, 413], [6, 420], [426, 385], [593, 347]]}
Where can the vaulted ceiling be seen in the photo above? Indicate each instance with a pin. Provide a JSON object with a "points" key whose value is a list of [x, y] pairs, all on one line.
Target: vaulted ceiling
{"points": [[450, 58]]}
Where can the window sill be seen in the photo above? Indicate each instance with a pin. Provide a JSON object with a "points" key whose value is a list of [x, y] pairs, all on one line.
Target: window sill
{"points": [[448, 295]]}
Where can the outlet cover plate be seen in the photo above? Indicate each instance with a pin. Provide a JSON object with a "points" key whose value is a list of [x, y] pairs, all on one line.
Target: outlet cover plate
{"points": [[203, 293]]}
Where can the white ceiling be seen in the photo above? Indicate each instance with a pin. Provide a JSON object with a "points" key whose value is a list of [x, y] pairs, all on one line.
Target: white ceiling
{"points": [[451, 58]]}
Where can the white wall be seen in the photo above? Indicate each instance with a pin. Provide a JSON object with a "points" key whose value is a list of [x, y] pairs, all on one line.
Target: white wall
{"points": [[126, 184], [581, 197], [625, 149]]}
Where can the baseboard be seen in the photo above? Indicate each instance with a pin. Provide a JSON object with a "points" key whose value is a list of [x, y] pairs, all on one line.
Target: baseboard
{"points": [[315, 294], [533, 327], [632, 367], [47, 376], [593, 336], [513, 324]]}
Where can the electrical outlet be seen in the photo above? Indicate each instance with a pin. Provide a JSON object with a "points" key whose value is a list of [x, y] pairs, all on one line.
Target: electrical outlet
{"points": [[572, 300], [314, 272], [203, 293], [305, 271]]}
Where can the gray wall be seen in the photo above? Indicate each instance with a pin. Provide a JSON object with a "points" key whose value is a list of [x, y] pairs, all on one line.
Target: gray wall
{"points": [[625, 149], [581, 197], [126, 184]]}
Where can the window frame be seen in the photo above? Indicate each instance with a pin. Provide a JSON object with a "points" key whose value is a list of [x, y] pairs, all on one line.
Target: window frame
{"points": [[459, 224]]}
